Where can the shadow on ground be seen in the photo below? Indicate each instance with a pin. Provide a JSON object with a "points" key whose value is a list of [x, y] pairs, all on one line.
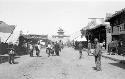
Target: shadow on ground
{"points": [[94, 68], [118, 65], [16, 62]]}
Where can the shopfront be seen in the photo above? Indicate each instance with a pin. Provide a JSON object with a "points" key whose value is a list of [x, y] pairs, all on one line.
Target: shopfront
{"points": [[117, 22], [97, 32]]}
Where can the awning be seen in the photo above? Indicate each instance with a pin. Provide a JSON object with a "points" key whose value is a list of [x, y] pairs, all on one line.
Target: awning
{"points": [[5, 28], [80, 39]]}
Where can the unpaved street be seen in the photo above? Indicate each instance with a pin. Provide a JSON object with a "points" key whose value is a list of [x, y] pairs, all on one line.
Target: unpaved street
{"points": [[65, 66]]}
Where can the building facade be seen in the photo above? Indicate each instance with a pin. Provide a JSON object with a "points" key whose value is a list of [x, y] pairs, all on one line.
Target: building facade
{"points": [[102, 32], [117, 22], [33, 38]]}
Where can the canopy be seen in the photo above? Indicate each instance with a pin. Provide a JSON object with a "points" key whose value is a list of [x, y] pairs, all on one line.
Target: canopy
{"points": [[80, 38], [5, 28]]}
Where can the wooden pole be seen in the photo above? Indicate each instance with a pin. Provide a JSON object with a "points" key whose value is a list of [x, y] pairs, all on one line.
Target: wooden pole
{"points": [[10, 35]]}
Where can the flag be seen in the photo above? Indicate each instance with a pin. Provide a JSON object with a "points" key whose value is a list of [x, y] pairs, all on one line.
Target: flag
{"points": [[5, 28]]}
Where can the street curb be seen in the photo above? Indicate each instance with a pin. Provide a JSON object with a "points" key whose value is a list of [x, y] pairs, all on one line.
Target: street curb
{"points": [[114, 59]]}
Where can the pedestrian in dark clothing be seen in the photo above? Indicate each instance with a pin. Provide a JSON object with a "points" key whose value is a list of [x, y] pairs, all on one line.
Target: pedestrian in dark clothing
{"points": [[97, 53], [89, 47], [11, 53], [57, 48], [31, 50], [80, 49], [37, 49]]}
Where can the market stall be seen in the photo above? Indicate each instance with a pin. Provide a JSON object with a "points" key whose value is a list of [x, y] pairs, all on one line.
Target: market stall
{"points": [[80, 39]]}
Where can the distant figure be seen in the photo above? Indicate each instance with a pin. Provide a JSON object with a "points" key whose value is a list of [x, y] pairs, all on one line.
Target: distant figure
{"points": [[89, 47], [52, 49], [37, 48], [48, 47], [11, 53], [97, 53], [57, 48], [31, 50], [80, 49], [60, 45]]}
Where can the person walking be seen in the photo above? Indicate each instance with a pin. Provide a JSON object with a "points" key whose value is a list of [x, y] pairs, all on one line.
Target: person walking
{"points": [[80, 49], [89, 47], [57, 48], [52, 48], [60, 45], [48, 47], [37, 49], [31, 50], [97, 54], [11, 53]]}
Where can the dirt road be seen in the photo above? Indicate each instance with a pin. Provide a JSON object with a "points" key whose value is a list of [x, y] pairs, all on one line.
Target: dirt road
{"points": [[65, 66]]}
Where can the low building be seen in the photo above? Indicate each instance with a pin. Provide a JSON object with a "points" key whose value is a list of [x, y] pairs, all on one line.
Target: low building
{"points": [[98, 32], [33, 38], [117, 22], [101, 32]]}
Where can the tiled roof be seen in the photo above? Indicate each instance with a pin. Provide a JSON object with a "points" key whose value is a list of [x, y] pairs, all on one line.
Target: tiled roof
{"points": [[114, 15], [97, 26]]}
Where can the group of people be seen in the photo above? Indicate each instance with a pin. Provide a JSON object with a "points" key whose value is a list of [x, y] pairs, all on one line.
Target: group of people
{"points": [[34, 47], [31, 47], [51, 49], [96, 53], [54, 48]]}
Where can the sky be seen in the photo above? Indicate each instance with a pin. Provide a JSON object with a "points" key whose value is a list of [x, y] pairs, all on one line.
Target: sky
{"points": [[46, 16]]}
